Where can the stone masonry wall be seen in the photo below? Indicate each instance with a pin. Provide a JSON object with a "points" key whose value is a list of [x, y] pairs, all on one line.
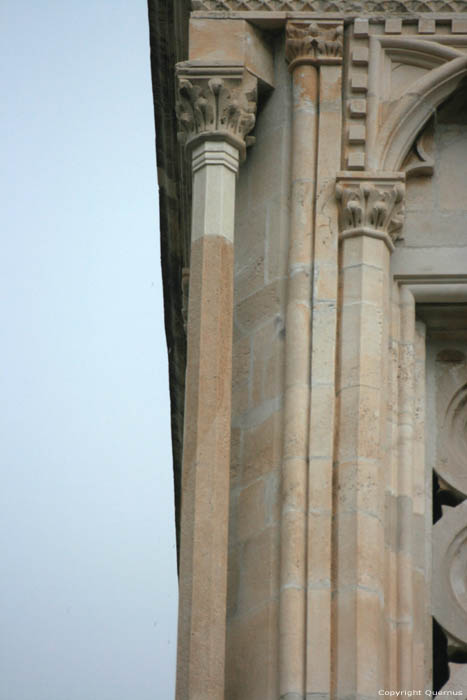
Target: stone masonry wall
{"points": [[262, 214]]}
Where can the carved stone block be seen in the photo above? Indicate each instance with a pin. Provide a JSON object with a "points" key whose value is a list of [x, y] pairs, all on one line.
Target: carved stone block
{"points": [[215, 103]]}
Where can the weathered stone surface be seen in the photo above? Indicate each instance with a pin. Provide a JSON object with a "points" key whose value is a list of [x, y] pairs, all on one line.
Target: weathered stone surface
{"points": [[349, 341], [350, 6]]}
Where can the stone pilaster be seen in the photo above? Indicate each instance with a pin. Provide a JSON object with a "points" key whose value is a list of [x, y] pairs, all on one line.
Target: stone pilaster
{"points": [[371, 218], [307, 46], [216, 111]]}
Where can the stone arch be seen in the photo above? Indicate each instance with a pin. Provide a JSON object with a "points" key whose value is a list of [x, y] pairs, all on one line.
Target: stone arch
{"points": [[414, 109]]}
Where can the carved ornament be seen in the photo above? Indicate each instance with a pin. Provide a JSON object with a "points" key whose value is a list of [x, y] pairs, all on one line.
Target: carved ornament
{"points": [[215, 104], [449, 584], [352, 7], [371, 206], [313, 42], [451, 414]]}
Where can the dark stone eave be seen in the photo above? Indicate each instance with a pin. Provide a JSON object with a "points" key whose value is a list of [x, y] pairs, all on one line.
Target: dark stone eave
{"points": [[168, 31]]}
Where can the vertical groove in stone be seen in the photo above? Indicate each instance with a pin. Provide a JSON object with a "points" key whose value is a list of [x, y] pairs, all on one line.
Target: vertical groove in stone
{"points": [[297, 385], [405, 489]]}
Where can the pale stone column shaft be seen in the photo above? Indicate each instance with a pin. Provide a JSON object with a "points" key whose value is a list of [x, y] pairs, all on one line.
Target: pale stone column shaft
{"points": [[422, 634], [303, 608], [323, 389], [297, 386], [360, 535], [392, 469], [371, 209], [206, 455], [405, 488]]}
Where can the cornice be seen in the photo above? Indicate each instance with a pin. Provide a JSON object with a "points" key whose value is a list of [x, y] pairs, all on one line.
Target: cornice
{"points": [[353, 7]]}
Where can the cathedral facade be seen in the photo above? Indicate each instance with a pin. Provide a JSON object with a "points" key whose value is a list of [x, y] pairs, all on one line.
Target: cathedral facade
{"points": [[312, 161]]}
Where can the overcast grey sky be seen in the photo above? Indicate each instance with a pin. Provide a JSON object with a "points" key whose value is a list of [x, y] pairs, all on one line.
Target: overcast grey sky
{"points": [[88, 583]]}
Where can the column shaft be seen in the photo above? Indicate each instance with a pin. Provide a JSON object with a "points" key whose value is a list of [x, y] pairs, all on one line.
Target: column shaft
{"points": [[360, 480], [405, 488], [206, 455], [297, 386], [323, 390]]}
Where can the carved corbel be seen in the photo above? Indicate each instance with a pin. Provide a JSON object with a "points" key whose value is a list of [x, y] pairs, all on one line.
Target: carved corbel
{"points": [[216, 103], [313, 43], [372, 205]]}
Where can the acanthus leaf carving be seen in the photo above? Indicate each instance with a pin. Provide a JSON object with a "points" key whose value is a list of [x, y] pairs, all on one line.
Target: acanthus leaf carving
{"points": [[313, 42], [375, 208], [214, 106]]}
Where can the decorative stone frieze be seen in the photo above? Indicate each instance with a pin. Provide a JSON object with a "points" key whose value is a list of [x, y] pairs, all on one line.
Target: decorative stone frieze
{"points": [[365, 7], [215, 102], [314, 43], [372, 206]]}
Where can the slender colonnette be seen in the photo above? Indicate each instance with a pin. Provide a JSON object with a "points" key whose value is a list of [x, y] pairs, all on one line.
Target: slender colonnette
{"points": [[307, 45]]}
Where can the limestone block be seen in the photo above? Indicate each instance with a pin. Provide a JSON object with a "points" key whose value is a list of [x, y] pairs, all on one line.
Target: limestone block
{"points": [[360, 431], [359, 670], [320, 482], [266, 303], [251, 671], [319, 551], [293, 495], [426, 26], [359, 487], [322, 408], [318, 642], [238, 42], [295, 426], [259, 572], [251, 510], [262, 448], [323, 349], [361, 28], [268, 353], [295, 568], [360, 561], [357, 133]]}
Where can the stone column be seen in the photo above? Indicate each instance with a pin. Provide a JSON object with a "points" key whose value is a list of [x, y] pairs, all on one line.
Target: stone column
{"points": [[323, 376], [216, 110], [371, 217], [307, 44], [406, 392]]}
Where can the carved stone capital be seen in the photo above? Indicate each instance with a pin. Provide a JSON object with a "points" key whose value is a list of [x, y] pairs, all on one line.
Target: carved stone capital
{"points": [[371, 205], [313, 43], [216, 103]]}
